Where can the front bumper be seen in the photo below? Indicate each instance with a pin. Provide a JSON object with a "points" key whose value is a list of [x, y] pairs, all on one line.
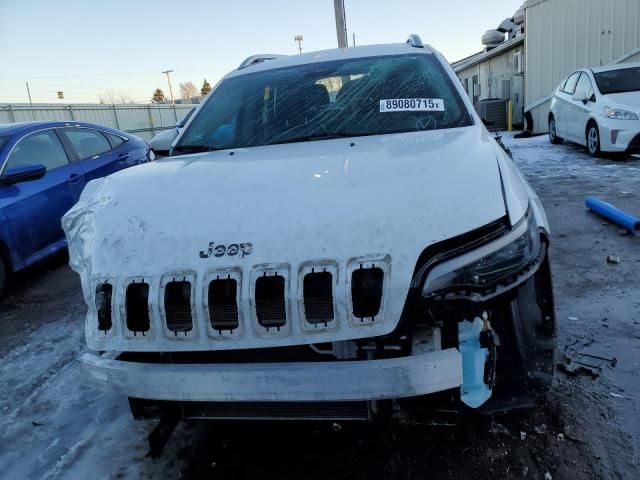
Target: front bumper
{"points": [[620, 135], [401, 377]]}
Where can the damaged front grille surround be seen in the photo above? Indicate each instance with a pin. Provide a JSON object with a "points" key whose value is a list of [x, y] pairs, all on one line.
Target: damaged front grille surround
{"points": [[103, 303], [318, 283], [222, 303], [219, 303], [177, 300], [368, 282], [270, 296], [136, 310]]}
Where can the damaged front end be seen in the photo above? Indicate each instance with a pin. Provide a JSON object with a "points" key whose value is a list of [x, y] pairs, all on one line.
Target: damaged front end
{"points": [[490, 294], [476, 330]]}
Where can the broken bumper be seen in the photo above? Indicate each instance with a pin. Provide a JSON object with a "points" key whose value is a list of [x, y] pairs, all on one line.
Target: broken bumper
{"points": [[311, 381]]}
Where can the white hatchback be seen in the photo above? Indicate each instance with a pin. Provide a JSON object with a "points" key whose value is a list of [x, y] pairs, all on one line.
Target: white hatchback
{"points": [[599, 108]]}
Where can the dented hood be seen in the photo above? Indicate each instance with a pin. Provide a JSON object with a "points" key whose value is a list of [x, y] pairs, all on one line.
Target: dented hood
{"points": [[390, 195]]}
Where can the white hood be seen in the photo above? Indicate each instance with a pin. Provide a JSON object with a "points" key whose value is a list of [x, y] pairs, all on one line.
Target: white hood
{"points": [[390, 195], [626, 100]]}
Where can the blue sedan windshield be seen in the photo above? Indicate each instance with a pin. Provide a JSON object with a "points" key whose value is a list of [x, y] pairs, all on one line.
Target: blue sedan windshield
{"points": [[362, 96]]}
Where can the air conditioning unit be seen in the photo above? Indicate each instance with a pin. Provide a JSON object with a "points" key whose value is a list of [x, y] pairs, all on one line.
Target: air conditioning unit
{"points": [[494, 112]]}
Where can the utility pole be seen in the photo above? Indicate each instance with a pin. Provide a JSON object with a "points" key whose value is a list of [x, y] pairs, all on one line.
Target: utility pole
{"points": [[175, 114], [33, 114], [341, 23], [299, 39]]}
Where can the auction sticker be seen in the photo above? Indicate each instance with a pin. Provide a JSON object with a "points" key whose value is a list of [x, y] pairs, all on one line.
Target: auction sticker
{"points": [[412, 105]]}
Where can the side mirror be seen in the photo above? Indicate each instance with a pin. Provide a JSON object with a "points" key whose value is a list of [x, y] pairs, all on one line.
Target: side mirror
{"points": [[580, 97], [23, 173]]}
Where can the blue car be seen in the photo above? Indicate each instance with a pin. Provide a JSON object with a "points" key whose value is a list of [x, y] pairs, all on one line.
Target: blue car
{"points": [[44, 167]]}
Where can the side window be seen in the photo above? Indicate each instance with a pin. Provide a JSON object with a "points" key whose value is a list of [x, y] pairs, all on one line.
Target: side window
{"points": [[584, 85], [41, 147], [115, 140], [87, 142], [570, 84]]}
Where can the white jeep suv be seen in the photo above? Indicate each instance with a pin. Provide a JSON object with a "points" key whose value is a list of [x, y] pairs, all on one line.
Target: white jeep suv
{"points": [[336, 236]]}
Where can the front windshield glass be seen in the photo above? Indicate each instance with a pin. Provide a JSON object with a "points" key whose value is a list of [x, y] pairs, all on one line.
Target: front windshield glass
{"points": [[618, 81], [363, 96]]}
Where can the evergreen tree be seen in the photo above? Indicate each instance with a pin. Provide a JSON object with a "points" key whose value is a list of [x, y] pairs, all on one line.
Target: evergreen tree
{"points": [[206, 88], [158, 96]]}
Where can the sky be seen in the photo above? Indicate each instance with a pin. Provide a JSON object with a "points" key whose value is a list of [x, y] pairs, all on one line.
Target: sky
{"points": [[86, 48]]}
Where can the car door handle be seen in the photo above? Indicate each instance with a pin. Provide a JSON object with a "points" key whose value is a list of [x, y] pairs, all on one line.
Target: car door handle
{"points": [[123, 156], [74, 178]]}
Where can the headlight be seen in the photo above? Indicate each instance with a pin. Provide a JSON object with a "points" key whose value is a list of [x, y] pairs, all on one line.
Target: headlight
{"points": [[492, 264], [619, 114], [151, 155]]}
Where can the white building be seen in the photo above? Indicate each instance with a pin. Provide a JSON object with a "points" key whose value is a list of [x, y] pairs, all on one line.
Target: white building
{"points": [[544, 42]]}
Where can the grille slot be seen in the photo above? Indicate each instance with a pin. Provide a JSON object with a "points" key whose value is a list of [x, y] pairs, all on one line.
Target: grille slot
{"points": [[104, 292], [366, 292], [270, 301], [318, 297], [223, 304], [137, 308], [177, 306]]}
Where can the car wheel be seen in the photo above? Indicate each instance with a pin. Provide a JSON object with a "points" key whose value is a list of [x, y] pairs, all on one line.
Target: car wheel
{"points": [[3, 276], [553, 136], [593, 140]]}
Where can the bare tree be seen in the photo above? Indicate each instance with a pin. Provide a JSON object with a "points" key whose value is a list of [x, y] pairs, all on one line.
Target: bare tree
{"points": [[111, 97], [188, 90]]}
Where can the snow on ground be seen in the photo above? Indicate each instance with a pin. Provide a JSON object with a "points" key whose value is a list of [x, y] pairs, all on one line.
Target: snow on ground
{"points": [[53, 427], [538, 159]]}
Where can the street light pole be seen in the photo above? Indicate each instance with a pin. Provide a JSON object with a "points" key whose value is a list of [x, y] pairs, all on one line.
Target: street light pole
{"points": [[175, 114]]}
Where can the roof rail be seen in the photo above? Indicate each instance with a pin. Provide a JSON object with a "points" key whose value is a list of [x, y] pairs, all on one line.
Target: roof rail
{"points": [[415, 41], [253, 59]]}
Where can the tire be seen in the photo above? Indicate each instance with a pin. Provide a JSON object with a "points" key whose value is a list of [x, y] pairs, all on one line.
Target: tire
{"points": [[553, 137], [3, 276], [593, 140]]}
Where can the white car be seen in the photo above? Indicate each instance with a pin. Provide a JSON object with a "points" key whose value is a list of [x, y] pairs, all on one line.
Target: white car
{"points": [[161, 143], [339, 238], [599, 108]]}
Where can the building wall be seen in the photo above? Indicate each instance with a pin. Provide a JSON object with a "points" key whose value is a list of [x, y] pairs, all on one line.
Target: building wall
{"points": [[564, 35], [496, 73], [141, 120]]}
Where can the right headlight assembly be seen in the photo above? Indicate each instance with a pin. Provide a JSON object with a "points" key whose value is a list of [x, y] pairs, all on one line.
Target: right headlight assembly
{"points": [[484, 269]]}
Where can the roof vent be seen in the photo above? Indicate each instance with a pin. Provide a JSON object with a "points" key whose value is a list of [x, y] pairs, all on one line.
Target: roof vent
{"points": [[492, 38], [415, 41]]}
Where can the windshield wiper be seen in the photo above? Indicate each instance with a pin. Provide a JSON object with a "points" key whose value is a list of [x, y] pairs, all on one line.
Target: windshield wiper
{"points": [[194, 148], [320, 136]]}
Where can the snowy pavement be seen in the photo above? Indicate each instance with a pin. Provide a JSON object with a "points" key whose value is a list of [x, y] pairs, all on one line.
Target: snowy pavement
{"points": [[53, 427]]}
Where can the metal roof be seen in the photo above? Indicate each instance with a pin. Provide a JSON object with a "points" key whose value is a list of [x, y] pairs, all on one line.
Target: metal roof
{"points": [[482, 56]]}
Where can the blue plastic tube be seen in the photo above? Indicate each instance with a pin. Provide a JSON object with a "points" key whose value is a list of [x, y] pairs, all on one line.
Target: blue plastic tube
{"points": [[617, 216]]}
